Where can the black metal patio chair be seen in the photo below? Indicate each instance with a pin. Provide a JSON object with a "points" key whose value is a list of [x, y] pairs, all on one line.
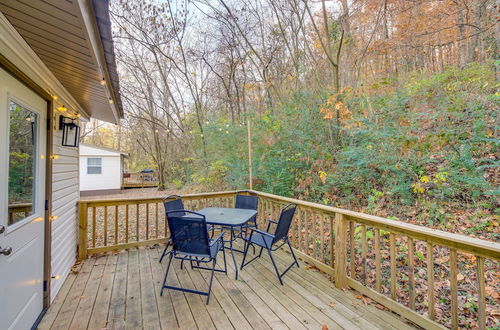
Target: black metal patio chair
{"points": [[171, 205], [268, 240], [190, 242], [249, 202]]}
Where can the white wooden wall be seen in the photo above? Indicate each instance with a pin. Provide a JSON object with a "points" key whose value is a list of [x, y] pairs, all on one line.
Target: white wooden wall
{"points": [[65, 195], [65, 168]]}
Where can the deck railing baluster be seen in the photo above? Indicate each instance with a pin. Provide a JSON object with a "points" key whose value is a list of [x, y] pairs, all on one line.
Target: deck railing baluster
{"points": [[352, 251], [430, 281], [411, 273], [392, 247], [454, 288], [363, 254], [93, 226], [378, 281], [126, 224], [105, 225], [481, 304], [116, 224]]}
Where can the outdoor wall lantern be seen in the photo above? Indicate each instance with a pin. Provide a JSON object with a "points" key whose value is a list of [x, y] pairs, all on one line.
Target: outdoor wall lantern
{"points": [[71, 131]]}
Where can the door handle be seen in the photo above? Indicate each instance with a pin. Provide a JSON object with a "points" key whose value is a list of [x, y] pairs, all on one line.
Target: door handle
{"points": [[5, 251]]}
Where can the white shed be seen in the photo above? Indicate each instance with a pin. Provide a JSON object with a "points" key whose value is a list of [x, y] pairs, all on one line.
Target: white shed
{"points": [[101, 170]]}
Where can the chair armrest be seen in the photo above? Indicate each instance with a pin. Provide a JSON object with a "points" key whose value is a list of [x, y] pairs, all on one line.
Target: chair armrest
{"points": [[261, 232], [269, 222], [218, 238]]}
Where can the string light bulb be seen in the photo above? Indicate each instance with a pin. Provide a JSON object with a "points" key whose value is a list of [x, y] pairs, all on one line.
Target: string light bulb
{"points": [[110, 101], [103, 82]]}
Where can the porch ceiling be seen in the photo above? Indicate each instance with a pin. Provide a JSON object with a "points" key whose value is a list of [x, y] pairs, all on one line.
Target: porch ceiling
{"points": [[57, 32]]}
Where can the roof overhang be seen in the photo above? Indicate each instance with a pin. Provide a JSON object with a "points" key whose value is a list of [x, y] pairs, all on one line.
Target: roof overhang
{"points": [[73, 39]]}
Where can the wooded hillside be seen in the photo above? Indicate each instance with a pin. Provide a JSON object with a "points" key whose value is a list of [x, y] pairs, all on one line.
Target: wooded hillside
{"points": [[389, 107]]}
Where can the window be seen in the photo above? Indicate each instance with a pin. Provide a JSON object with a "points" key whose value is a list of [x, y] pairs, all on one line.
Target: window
{"points": [[23, 125], [94, 165]]}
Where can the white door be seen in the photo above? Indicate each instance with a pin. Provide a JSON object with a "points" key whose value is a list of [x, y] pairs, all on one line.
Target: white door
{"points": [[22, 196]]}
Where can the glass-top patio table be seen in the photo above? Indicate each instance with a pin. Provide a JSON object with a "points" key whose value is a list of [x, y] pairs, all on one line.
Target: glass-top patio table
{"points": [[230, 218]]}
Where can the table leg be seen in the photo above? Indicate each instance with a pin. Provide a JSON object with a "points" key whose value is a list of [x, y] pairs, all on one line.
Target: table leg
{"points": [[232, 252]]}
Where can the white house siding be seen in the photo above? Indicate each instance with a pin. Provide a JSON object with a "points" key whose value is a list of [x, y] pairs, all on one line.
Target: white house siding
{"points": [[65, 195], [65, 168]]}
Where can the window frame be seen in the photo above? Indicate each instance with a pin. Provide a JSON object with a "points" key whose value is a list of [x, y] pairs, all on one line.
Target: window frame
{"points": [[89, 166]]}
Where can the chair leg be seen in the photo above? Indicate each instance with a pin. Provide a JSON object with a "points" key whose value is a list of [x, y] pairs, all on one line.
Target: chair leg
{"points": [[224, 255], [260, 253], [274, 265], [166, 273], [164, 251], [247, 245], [293, 254], [211, 280]]}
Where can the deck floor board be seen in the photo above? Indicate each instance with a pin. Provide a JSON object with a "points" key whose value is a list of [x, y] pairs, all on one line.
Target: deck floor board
{"points": [[122, 290]]}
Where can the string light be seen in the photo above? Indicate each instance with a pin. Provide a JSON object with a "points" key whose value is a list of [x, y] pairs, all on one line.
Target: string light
{"points": [[55, 277], [42, 156], [103, 82], [54, 157], [54, 97], [54, 217], [62, 109], [110, 101]]}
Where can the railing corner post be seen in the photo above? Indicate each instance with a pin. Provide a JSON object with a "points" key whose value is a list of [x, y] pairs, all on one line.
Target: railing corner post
{"points": [[82, 230], [340, 250]]}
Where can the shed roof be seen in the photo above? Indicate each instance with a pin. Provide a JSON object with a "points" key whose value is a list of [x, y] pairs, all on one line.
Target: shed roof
{"points": [[92, 150]]}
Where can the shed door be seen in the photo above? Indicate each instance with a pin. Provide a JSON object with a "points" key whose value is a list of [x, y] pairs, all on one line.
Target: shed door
{"points": [[22, 195]]}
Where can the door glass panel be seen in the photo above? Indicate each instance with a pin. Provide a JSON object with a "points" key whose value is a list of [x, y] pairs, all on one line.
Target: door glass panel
{"points": [[23, 125]]}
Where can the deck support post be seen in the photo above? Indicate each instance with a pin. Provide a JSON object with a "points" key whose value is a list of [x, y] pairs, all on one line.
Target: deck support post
{"points": [[82, 230], [340, 250]]}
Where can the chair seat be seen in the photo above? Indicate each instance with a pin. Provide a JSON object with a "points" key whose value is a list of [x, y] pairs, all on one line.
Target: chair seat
{"points": [[260, 240]]}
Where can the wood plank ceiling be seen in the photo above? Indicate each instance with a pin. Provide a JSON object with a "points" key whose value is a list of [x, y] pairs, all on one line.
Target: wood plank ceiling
{"points": [[54, 29]]}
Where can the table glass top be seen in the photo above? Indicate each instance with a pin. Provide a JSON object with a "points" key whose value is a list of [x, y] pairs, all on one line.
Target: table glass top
{"points": [[227, 216]]}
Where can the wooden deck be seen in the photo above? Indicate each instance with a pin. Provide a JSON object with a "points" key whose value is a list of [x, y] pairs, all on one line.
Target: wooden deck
{"points": [[117, 291]]}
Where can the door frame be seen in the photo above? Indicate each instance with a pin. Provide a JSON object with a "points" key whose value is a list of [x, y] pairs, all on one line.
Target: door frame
{"points": [[28, 82]]}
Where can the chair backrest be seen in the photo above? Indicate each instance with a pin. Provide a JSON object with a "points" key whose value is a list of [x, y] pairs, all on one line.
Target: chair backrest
{"points": [[284, 222], [189, 233], [172, 203], [246, 202]]}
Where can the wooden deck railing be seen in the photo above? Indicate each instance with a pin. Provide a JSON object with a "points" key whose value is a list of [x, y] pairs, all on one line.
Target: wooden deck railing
{"points": [[392, 262], [16, 209], [139, 180]]}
